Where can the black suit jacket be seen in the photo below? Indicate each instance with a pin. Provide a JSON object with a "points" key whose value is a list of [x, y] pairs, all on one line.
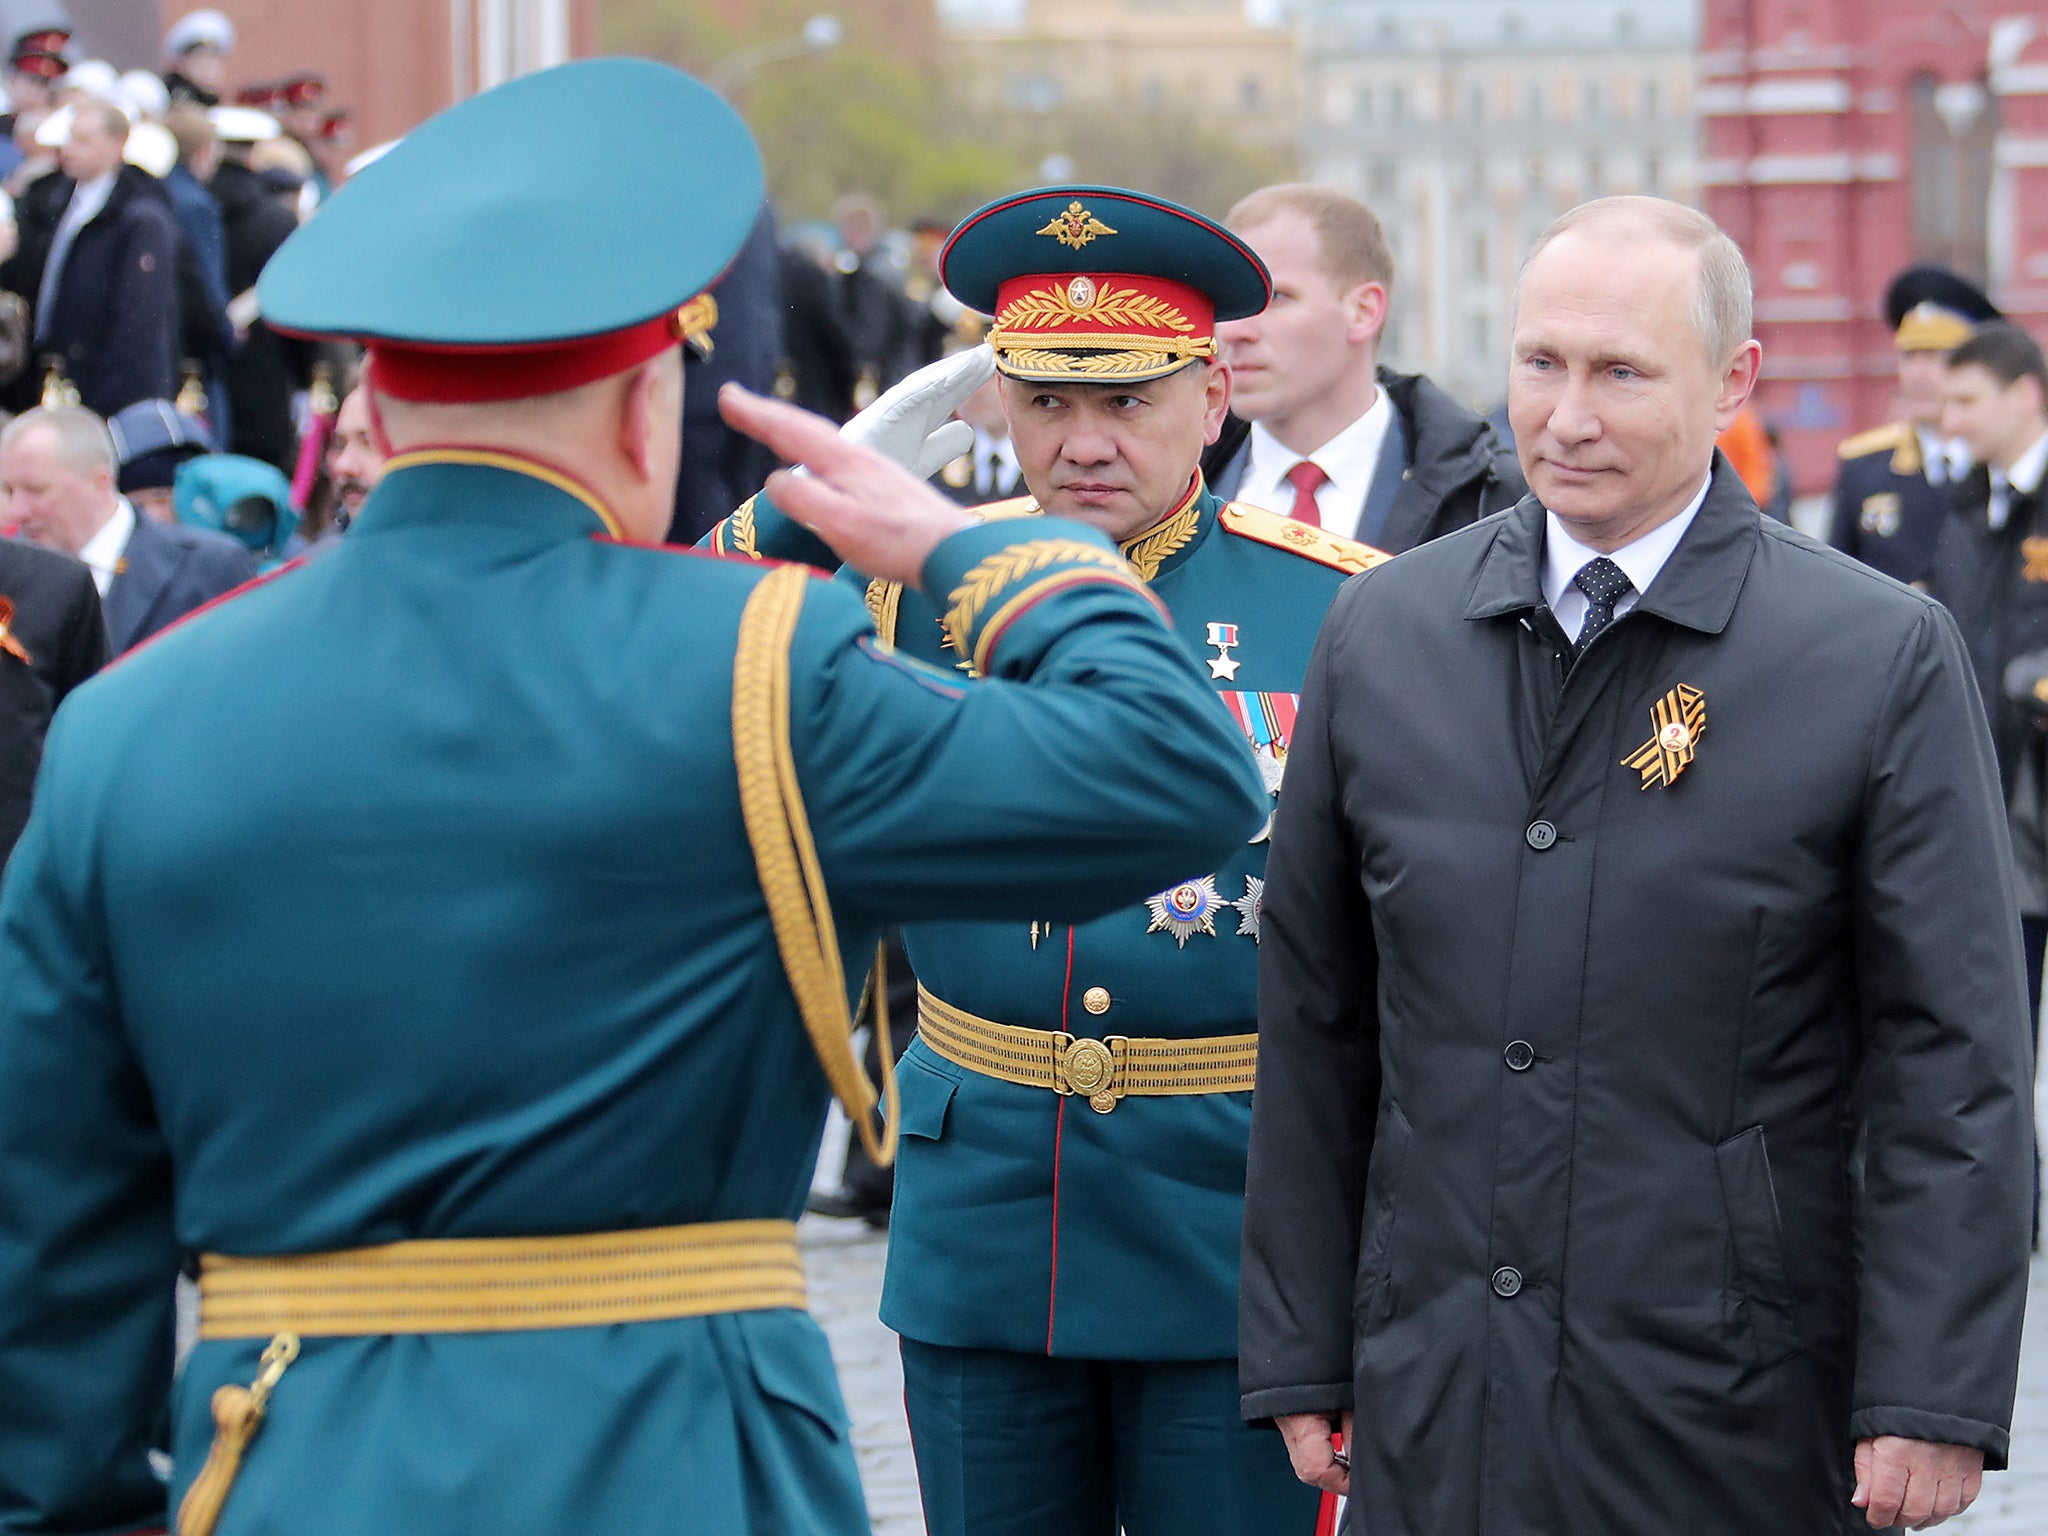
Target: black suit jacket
{"points": [[167, 571], [56, 619]]}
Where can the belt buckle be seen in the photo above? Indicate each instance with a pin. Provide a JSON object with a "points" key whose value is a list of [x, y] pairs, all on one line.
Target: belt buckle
{"points": [[1090, 1067]]}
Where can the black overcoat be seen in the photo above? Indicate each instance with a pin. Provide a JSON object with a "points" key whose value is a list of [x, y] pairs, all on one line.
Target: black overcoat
{"points": [[1561, 1063]]}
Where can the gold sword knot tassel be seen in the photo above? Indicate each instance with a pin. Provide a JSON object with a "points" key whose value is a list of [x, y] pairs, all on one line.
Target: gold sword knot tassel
{"points": [[237, 1415]]}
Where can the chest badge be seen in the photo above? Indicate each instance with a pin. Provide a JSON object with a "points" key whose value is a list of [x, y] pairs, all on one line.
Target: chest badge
{"points": [[1880, 514], [1677, 721], [1223, 666], [1251, 906], [10, 643], [1186, 910], [2034, 559], [1267, 720]]}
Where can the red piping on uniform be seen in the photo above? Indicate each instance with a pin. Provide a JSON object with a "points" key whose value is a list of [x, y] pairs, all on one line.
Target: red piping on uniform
{"points": [[1059, 1129]]}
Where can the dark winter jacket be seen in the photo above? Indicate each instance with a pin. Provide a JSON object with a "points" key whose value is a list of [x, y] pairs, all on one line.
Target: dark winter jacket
{"points": [[1578, 986]]}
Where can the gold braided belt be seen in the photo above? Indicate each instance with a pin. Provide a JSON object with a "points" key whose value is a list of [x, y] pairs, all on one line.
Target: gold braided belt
{"points": [[497, 1284], [1103, 1071]]}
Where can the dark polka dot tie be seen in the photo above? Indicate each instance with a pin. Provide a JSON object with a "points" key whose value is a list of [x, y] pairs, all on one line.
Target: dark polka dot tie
{"points": [[1603, 582]]}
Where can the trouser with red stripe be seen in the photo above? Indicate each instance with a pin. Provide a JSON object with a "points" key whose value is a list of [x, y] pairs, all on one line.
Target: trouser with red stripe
{"points": [[1011, 1444]]}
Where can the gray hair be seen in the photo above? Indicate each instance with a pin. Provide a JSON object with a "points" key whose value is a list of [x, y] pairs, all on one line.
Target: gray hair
{"points": [[81, 440], [1722, 306]]}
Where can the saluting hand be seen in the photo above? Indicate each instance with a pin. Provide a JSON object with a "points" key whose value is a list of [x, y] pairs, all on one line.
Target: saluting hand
{"points": [[876, 515]]}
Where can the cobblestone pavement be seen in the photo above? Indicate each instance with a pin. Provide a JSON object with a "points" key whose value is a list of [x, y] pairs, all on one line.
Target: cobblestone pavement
{"points": [[844, 1260]]}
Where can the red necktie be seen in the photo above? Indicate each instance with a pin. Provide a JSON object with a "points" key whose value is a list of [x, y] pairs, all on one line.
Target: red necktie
{"points": [[1307, 478]]}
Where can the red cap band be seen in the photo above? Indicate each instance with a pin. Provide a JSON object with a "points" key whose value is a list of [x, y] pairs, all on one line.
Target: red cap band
{"points": [[477, 375]]}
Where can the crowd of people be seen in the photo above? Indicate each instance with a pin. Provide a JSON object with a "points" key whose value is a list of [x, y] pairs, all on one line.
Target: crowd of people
{"points": [[1631, 972]]}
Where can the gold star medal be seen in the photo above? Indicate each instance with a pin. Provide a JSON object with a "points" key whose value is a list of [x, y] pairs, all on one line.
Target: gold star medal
{"points": [[1186, 910], [1223, 666], [9, 643], [1677, 720]]}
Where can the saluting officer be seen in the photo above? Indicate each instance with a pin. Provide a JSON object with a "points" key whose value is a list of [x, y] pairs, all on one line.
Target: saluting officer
{"points": [[492, 1189], [1064, 1254], [1897, 482]]}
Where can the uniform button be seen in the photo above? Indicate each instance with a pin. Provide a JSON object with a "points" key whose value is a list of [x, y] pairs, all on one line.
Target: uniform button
{"points": [[1096, 1000], [1541, 835], [1520, 1055], [1507, 1281]]}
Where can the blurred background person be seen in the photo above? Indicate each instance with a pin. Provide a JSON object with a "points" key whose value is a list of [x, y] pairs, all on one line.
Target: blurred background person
{"points": [[152, 438], [51, 640], [105, 295], [721, 468], [267, 369], [880, 323], [57, 472], [354, 462], [243, 499], [196, 50]]}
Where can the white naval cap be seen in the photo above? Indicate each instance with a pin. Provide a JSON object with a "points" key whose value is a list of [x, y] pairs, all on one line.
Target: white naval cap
{"points": [[148, 98], [96, 77], [242, 125], [200, 29]]}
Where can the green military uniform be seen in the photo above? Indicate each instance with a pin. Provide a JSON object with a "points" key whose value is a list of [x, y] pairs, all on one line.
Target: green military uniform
{"points": [[1891, 496], [401, 913], [1063, 1264]]}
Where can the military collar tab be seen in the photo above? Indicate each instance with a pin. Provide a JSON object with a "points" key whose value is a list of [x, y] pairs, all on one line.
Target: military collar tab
{"points": [[1167, 541]]}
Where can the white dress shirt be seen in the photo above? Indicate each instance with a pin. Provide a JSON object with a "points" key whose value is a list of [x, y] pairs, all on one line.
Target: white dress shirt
{"points": [[2025, 478], [1945, 460], [103, 551], [996, 473], [1350, 459], [1564, 557]]}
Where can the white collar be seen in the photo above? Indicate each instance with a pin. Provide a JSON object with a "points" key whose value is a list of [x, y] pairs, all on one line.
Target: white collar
{"points": [[1350, 459], [1640, 560], [2025, 475], [1944, 460], [89, 197], [103, 551]]}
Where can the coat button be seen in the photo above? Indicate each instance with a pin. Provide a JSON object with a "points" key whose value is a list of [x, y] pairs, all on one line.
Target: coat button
{"points": [[1541, 835], [1507, 1281], [1520, 1055], [1096, 1000]]}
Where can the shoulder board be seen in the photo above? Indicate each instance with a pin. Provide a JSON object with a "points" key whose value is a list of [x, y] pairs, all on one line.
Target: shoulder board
{"points": [[996, 511], [1317, 544], [1877, 440]]}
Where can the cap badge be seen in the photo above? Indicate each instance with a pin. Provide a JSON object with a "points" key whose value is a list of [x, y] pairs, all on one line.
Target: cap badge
{"points": [[1076, 227], [1678, 720], [8, 643], [1186, 910], [1081, 293]]}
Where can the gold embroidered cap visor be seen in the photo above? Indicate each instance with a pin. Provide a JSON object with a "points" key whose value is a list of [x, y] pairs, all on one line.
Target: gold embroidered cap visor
{"points": [[1100, 285]]}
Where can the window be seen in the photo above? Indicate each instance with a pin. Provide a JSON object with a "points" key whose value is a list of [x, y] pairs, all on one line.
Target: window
{"points": [[1590, 98], [1475, 103], [1249, 97], [1652, 98], [1532, 100], [1362, 104]]}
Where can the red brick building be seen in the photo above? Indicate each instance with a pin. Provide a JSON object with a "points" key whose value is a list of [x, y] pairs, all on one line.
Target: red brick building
{"points": [[1845, 139], [395, 62]]}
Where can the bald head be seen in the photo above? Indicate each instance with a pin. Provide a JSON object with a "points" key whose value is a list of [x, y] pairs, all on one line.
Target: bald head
{"points": [[1721, 309]]}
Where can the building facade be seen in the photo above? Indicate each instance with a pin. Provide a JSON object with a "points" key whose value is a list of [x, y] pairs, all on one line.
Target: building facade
{"points": [[1468, 125], [392, 62], [1846, 139], [1207, 59]]}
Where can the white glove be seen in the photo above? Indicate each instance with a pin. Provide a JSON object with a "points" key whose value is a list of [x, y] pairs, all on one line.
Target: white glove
{"points": [[911, 422]]}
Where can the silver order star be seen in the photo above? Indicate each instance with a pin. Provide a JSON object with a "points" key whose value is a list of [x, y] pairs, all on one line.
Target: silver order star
{"points": [[1250, 906]]}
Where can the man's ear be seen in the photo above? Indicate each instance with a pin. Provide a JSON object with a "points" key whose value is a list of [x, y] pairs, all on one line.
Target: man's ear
{"points": [[1216, 401], [1366, 305], [647, 399], [1738, 379]]}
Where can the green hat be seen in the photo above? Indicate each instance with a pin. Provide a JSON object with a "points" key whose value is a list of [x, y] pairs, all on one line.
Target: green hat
{"points": [[1099, 284], [557, 229]]}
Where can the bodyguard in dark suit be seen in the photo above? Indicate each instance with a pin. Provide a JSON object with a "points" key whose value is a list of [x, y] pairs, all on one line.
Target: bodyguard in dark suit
{"points": [[57, 469], [51, 640], [1668, 865], [1321, 432]]}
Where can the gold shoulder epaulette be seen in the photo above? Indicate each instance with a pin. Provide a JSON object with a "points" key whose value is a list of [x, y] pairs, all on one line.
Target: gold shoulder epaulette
{"points": [[996, 511], [1311, 543], [1882, 439]]}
